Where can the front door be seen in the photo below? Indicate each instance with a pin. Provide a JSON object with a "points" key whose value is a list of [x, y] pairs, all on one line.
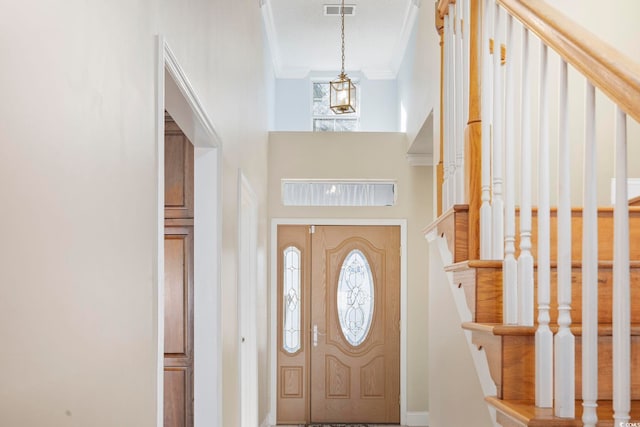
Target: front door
{"points": [[349, 342]]}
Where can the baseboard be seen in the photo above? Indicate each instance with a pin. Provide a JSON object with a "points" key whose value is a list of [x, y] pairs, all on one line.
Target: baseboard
{"points": [[418, 419], [414, 419]]}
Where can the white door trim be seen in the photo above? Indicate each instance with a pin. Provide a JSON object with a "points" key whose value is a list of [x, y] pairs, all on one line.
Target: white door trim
{"points": [[273, 384], [175, 93], [247, 303]]}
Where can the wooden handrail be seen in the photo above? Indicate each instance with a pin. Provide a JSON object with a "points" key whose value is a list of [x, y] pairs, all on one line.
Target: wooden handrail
{"points": [[606, 68], [609, 70]]}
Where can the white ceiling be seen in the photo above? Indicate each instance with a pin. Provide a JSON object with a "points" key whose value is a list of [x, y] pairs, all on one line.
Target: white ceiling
{"points": [[302, 39]]}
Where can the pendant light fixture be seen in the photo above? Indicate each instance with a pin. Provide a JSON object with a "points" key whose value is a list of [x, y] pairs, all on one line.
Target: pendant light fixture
{"points": [[342, 91]]}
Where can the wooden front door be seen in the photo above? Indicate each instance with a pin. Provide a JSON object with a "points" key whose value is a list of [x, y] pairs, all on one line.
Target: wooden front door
{"points": [[350, 340]]}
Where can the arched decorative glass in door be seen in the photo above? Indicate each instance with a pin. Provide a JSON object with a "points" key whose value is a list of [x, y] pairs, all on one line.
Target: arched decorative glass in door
{"points": [[355, 297]]}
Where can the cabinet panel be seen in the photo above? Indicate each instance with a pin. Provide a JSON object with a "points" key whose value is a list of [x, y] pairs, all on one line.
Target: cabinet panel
{"points": [[178, 397], [178, 172]]}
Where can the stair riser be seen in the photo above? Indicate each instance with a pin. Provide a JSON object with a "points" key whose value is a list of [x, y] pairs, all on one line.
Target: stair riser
{"points": [[483, 292], [512, 365], [605, 234]]}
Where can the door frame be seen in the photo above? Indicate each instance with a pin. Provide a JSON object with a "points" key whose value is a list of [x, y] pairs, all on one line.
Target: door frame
{"points": [[247, 268], [273, 319], [175, 93]]}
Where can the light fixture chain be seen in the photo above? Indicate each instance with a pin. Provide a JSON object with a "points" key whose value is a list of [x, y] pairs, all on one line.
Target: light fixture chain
{"points": [[342, 15]]}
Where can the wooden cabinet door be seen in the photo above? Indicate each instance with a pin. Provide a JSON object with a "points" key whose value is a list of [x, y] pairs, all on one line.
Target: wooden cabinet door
{"points": [[178, 327], [178, 277], [355, 315]]}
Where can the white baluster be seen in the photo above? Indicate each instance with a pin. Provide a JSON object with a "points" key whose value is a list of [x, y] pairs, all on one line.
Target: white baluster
{"points": [[447, 119], [544, 336], [590, 266], [487, 80], [621, 293], [460, 124], [466, 38], [453, 129], [509, 264], [525, 260], [497, 204], [564, 340]]}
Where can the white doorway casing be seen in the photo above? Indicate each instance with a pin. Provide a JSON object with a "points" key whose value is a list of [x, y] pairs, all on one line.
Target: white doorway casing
{"points": [[274, 301], [247, 302], [176, 94]]}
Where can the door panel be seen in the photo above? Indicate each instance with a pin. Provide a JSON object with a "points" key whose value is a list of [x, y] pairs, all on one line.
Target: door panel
{"points": [[178, 172], [176, 307], [355, 383], [178, 320], [177, 386], [293, 364], [178, 294]]}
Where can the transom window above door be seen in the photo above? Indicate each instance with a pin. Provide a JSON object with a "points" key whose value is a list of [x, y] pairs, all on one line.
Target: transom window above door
{"points": [[325, 120]]}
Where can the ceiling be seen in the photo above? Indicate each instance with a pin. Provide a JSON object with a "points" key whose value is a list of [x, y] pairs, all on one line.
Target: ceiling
{"points": [[302, 39]]}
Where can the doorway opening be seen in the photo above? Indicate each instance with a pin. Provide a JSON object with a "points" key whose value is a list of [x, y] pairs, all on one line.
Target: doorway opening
{"points": [[351, 382], [176, 96]]}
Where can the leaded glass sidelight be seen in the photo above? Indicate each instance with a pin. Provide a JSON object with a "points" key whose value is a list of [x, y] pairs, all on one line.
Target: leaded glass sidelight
{"points": [[291, 300], [355, 297]]}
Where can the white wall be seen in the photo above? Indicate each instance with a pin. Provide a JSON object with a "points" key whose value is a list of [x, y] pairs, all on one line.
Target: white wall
{"points": [[363, 155], [378, 103], [419, 76], [77, 162]]}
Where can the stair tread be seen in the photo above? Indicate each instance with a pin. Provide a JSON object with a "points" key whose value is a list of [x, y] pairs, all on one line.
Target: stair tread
{"points": [[604, 329], [490, 263], [526, 412]]}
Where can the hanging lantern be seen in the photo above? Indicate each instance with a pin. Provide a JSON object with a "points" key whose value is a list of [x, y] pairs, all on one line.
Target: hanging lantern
{"points": [[343, 95], [342, 91]]}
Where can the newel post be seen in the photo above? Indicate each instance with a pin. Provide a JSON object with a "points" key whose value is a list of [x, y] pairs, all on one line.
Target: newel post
{"points": [[473, 135], [440, 166]]}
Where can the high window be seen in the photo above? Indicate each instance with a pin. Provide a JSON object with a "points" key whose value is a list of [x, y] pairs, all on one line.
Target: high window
{"points": [[325, 120]]}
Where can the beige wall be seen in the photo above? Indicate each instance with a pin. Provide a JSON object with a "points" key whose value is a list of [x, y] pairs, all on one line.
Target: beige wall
{"points": [[367, 156], [77, 163]]}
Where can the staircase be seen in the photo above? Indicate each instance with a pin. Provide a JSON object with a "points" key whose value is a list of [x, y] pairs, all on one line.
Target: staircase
{"points": [[552, 291], [510, 349]]}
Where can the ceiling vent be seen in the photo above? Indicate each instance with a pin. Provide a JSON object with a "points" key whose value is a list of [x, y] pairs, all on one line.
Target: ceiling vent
{"points": [[334, 9]]}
